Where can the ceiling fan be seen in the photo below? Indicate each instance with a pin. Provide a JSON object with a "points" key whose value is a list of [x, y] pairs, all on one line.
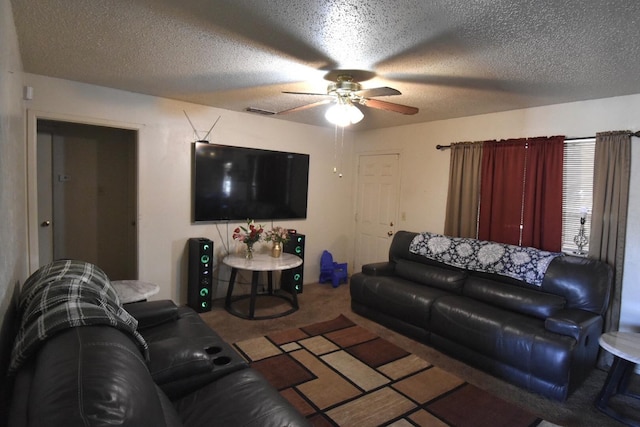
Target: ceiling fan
{"points": [[346, 93]]}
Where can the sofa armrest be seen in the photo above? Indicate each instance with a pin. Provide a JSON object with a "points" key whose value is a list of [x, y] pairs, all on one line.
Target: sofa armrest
{"points": [[180, 365], [152, 313], [574, 323], [379, 269]]}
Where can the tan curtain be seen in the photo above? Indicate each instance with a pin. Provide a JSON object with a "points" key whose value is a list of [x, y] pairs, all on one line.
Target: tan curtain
{"points": [[461, 218], [612, 170]]}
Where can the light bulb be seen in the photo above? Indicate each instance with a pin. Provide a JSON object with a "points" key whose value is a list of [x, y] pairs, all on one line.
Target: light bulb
{"points": [[355, 115], [343, 113], [337, 115]]}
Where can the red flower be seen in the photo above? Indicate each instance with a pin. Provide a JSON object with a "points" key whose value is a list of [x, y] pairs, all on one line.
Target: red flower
{"points": [[249, 234]]}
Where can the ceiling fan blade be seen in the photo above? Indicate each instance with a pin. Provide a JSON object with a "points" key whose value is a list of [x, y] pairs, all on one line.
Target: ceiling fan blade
{"points": [[305, 107], [259, 111], [378, 91], [305, 93], [389, 106]]}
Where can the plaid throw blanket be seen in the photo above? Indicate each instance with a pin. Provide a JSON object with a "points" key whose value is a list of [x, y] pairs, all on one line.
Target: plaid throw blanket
{"points": [[522, 263], [66, 294]]}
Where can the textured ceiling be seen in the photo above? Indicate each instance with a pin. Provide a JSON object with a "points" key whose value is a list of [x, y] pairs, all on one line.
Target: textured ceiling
{"points": [[450, 58]]}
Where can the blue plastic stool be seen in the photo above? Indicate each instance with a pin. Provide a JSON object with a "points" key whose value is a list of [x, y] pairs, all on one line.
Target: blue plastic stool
{"points": [[332, 271]]}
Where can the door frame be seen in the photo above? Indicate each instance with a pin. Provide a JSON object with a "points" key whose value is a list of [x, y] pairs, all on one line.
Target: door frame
{"points": [[356, 184], [33, 255]]}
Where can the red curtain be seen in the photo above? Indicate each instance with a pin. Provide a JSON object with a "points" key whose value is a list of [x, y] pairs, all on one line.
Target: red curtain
{"points": [[521, 194], [501, 191]]}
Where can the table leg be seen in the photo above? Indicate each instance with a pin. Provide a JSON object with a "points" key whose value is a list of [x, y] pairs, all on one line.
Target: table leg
{"points": [[232, 280], [623, 388], [616, 382], [254, 294]]}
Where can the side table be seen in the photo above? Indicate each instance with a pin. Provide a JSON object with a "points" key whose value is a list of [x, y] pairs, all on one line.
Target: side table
{"points": [[625, 348], [259, 262], [134, 290]]}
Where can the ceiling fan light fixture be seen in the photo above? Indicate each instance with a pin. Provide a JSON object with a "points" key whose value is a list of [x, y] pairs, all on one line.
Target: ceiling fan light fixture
{"points": [[343, 113], [355, 115]]}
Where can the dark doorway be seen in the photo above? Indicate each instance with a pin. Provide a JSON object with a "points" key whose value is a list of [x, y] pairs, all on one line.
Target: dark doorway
{"points": [[87, 196]]}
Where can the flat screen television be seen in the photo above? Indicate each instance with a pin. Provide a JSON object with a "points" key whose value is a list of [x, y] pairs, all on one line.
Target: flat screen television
{"points": [[236, 183]]}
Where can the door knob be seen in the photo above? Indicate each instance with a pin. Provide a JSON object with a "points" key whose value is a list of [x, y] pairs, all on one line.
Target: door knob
{"points": [[389, 233], [45, 223]]}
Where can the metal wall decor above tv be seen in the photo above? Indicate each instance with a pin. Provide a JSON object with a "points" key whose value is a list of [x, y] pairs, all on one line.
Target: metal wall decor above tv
{"points": [[236, 183]]}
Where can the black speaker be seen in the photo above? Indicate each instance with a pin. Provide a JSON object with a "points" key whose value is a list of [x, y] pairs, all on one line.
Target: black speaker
{"points": [[291, 280], [200, 271]]}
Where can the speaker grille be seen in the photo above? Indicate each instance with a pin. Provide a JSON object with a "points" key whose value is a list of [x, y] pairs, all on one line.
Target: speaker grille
{"points": [[200, 271], [292, 280]]}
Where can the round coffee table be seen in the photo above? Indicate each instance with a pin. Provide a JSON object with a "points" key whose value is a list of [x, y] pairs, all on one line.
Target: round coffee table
{"points": [[260, 263], [625, 348]]}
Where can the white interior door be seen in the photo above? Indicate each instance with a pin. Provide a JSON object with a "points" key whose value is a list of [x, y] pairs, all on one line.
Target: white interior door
{"points": [[377, 207]]}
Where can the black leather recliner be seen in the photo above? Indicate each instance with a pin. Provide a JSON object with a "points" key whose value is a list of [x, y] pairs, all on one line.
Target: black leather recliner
{"points": [[542, 339], [96, 375]]}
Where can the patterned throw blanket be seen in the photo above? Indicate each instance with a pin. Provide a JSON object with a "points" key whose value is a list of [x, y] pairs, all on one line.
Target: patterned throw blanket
{"points": [[522, 263], [67, 294]]}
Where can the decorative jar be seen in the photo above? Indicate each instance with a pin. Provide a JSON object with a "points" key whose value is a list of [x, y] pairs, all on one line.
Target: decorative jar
{"points": [[276, 250]]}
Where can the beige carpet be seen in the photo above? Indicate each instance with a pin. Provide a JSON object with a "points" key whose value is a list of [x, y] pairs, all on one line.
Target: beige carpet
{"points": [[322, 302], [338, 373]]}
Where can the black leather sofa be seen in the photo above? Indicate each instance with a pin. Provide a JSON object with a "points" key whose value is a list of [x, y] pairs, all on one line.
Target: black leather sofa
{"points": [[100, 374], [544, 339]]}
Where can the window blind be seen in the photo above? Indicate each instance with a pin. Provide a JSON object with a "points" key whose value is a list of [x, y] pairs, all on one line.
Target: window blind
{"points": [[577, 190]]}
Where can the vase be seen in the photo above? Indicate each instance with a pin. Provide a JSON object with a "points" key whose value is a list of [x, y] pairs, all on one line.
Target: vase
{"points": [[249, 253], [276, 250]]}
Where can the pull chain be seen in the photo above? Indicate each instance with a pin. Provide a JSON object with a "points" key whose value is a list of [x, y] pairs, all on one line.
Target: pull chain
{"points": [[341, 153], [335, 149]]}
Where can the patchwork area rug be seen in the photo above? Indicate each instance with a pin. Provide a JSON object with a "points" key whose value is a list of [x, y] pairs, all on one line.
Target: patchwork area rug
{"points": [[337, 373]]}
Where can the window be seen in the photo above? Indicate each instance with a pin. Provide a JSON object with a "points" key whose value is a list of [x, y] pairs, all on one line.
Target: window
{"points": [[577, 191]]}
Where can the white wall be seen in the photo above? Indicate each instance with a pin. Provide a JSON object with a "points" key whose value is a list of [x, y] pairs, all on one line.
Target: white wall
{"points": [[164, 169], [164, 173], [13, 263], [425, 170]]}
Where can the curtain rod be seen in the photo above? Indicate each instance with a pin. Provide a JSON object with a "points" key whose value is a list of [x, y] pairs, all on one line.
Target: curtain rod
{"points": [[636, 134]]}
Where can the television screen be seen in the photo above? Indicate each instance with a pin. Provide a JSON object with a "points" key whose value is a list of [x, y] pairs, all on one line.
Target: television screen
{"points": [[235, 183]]}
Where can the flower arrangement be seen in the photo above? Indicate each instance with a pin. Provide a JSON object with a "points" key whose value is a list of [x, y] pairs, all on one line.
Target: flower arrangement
{"points": [[277, 235], [249, 234]]}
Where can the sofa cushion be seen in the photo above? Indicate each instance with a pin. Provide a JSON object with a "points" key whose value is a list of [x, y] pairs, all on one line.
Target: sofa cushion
{"points": [[442, 278], [243, 398], [513, 298], [400, 298], [514, 339], [90, 375], [379, 268]]}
